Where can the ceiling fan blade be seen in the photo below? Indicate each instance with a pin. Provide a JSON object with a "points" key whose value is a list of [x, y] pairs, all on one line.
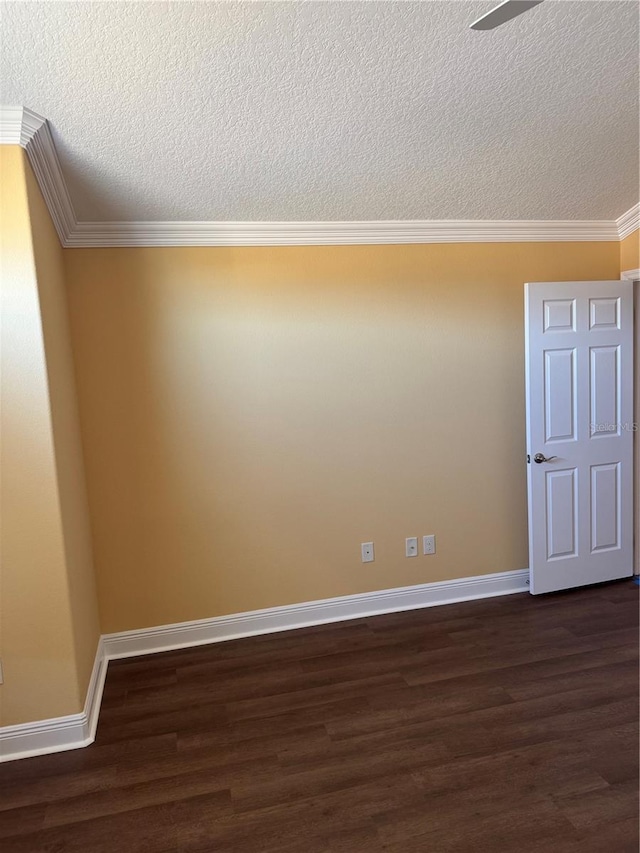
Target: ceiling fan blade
{"points": [[503, 13]]}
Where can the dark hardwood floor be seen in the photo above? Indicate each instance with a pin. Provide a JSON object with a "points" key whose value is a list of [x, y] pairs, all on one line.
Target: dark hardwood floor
{"points": [[509, 724]]}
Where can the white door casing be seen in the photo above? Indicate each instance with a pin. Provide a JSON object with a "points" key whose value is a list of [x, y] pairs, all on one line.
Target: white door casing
{"points": [[634, 276], [636, 411], [579, 393]]}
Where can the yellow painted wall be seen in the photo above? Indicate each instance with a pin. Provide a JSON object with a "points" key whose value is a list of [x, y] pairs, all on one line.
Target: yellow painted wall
{"points": [[48, 613], [72, 489], [251, 415], [630, 252]]}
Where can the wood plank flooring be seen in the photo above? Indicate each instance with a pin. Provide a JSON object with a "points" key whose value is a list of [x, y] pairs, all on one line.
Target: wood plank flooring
{"points": [[509, 724]]}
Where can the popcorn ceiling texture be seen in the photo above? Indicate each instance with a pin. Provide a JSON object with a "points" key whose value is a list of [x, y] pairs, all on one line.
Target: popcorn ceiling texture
{"points": [[332, 110]]}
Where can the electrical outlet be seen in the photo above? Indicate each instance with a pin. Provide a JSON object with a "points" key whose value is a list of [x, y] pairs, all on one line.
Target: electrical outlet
{"points": [[429, 544], [411, 546], [366, 549]]}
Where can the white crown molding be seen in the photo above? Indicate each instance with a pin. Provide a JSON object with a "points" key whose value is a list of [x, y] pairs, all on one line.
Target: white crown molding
{"points": [[628, 222], [20, 126], [92, 234], [289, 617], [58, 733]]}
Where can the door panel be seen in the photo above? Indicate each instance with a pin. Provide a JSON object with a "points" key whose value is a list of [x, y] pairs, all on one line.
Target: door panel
{"points": [[560, 394], [604, 391], [579, 386], [562, 513], [605, 507]]}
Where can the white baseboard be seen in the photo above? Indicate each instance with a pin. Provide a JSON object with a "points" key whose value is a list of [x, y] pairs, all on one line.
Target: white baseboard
{"points": [[273, 619], [94, 692], [77, 730], [58, 733]]}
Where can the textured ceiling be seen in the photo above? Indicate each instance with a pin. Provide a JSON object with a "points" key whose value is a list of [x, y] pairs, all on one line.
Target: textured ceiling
{"points": [[332, 110]]}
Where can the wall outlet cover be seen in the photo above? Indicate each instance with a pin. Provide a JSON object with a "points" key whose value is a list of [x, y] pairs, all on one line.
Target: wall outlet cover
{"points": [[367, 553], [411, 546], [429, 544]]}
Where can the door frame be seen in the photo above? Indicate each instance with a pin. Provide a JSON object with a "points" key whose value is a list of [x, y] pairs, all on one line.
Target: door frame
{"points": [[634, 276]]}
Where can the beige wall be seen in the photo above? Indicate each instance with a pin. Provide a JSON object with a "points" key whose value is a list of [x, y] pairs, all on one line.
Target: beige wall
{"points": [[251, 415], [72, 489], [48, 610], [630, 252]]}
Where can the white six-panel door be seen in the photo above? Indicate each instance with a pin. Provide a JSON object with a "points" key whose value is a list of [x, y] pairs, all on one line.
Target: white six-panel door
{"points": [[579, 391]]}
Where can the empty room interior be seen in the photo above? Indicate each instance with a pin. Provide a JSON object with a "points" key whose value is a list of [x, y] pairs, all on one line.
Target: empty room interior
{"points": [[320, 452]]}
